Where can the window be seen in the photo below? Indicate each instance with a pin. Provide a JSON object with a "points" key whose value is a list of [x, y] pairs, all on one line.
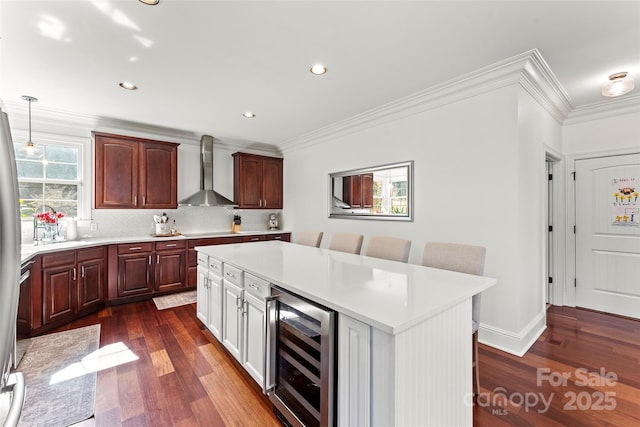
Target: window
{"points": [[53, 181]]}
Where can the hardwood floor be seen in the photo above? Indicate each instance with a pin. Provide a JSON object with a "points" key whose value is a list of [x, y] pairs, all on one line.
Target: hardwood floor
{"points": [[184, 377], [583, 371]]}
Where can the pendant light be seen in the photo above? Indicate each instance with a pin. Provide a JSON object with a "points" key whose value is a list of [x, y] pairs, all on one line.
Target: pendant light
{"points": [[29, 150], [618, 84]]}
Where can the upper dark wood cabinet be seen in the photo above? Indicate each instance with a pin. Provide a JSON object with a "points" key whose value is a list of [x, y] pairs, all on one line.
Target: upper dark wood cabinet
{"points": [[357, 190], [135, 173], [257, 181]]}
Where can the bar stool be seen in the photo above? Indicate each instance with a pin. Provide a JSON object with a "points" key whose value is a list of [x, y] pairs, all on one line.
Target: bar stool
{"points": [[347, 242], [310, 238], [391, 248], [465, 259]]}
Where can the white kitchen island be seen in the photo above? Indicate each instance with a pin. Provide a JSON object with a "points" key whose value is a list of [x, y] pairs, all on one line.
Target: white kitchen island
{"points": [[404, 330]]}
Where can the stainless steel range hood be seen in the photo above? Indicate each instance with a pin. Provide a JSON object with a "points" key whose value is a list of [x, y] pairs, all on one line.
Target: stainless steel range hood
{"points": [[206, 196]]}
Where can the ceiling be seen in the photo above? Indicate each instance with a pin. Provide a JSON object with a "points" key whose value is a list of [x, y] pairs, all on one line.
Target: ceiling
{"points": [[200, 64]]}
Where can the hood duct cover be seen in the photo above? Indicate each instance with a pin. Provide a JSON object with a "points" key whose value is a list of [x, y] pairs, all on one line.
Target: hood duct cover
{"points": [[206, 196]]}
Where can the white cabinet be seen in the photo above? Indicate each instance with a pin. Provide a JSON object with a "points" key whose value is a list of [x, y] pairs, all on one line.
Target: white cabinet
{"points": [[231, 303], [215, 281], [202, 290], [354, 375], [232, 310], [254, 333]]}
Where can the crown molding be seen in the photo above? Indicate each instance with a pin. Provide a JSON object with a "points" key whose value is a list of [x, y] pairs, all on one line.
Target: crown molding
{"points": [[604, 109], [60, 125], [527, 69]]}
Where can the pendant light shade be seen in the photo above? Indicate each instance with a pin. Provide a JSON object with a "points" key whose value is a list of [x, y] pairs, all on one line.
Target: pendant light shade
{"points": [[29, 150], [618, 84]]}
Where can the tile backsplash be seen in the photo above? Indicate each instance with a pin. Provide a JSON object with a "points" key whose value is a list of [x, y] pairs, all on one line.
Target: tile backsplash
{"points": [[139, 222]]}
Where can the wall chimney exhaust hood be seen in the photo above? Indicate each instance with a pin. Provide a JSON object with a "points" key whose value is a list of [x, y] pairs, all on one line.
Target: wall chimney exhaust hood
{"points": [[206, 196]]}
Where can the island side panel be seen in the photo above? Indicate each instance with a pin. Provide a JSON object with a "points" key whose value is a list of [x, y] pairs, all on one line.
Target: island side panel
{"points": [[433, 373]]}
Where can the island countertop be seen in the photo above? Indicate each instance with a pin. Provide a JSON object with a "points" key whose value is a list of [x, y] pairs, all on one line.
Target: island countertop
{"points": [[388, 295]]}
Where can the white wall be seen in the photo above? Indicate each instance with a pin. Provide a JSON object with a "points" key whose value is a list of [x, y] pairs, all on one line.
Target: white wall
{"points": [[477, 181], [609, 134]]}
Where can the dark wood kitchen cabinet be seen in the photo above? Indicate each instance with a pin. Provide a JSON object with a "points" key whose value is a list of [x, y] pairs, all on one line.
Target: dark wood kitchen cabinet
{"points": [[135, 173], [134, 270], [64, 285], [58, 285], [257, 181], [357, 190], [142, 270], [170, 265]]}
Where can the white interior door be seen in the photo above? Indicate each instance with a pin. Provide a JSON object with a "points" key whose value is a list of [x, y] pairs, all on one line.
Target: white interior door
{"points": [[608, 234]]}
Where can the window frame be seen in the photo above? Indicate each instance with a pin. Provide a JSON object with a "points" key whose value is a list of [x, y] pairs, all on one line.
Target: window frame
{"points": [[83, 145]]}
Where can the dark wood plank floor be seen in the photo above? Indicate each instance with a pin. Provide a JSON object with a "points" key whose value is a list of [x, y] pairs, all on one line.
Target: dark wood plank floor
{"points": [[583, 371], [184, 377]]}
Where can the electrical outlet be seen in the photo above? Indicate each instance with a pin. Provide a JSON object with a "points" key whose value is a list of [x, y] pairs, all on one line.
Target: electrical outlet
{"points": [[94, 226]]}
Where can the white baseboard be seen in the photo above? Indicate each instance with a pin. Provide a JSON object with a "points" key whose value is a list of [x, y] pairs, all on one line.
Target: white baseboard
{"points": [[512, 342]]}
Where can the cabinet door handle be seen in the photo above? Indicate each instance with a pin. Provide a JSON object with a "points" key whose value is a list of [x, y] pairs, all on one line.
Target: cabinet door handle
{"points": [[265, 203], [144, 200], [269, 334], [149, 259], [277, 237], [172, 245], [136, 248], [82, 271], [255, 239], [260, 202], [238, 303], [245, 308], [157, 259], [230, 274], [74, 273], [135, 200]]}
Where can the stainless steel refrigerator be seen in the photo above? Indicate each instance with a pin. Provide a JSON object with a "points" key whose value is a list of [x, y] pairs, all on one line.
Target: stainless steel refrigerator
{"points": [[12, 387]]}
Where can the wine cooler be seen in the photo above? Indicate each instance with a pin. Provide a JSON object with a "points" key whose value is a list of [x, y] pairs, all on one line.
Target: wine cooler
{"points": [[301, 362]]}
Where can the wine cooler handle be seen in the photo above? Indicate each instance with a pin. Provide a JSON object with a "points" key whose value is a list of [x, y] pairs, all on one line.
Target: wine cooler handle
{"points": [[269, 367]]}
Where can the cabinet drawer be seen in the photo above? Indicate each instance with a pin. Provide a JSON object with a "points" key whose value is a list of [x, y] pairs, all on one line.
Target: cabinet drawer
{"points": [[59, 258], [203, 260], [135, 247], [257, 238], [91, 253], [171, 244], [233, 274], [256, 286], [215, 266]]}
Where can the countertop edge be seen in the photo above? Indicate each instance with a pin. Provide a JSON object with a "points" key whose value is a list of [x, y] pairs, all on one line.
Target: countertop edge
{"points": [[29, 251]]}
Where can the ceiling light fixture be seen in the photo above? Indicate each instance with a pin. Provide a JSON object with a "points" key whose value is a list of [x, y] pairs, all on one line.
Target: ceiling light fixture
{"points": [[29, 149], [248, 115], [318, 69], [150, 2], [618, 84], [128, 86]]}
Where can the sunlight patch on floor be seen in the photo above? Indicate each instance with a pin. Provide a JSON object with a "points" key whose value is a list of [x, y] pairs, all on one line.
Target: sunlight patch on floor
{"points": [[106, 357]]}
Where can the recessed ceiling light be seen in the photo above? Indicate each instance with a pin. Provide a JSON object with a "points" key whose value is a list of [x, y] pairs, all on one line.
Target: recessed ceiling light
{"points": [[318, 69], [128, 86], [150, 2], [248, 115]]}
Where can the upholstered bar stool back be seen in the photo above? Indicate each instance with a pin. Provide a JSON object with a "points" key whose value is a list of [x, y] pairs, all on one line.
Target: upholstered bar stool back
{"points": [[347, 242], [310, 238], [391, 248]]}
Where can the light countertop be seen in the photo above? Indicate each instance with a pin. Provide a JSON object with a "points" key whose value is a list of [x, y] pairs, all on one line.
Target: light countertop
{"points": [[28, 251], [388, 295]]}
